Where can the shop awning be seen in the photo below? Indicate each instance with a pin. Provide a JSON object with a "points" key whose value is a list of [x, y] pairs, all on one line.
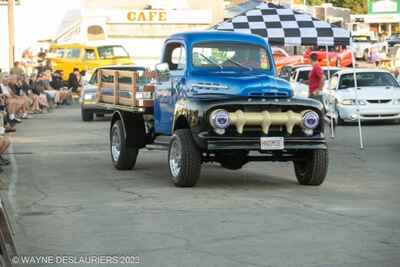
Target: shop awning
{"points": [[286, 27]]}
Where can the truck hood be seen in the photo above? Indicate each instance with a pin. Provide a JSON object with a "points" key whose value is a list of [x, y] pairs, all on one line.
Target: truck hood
{"points": [[235, 83]]}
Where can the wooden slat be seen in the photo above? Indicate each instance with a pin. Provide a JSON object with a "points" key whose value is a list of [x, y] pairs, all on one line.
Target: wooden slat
{"points": [[108, 99], [107, 85], [126, 101], [99, 85], [116, 88], [106, 72], [125, 73], [125, 87], [134, 79]]}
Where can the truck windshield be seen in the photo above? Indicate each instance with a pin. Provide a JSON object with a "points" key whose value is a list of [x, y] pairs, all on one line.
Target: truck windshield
{"points": [[112, 51], [230, 55]]}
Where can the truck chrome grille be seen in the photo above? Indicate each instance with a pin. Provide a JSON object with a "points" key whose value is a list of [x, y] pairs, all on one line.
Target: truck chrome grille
{"points": [[265, 119]]}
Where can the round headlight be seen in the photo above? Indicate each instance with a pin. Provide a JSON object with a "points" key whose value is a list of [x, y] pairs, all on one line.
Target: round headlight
{"points": [[219, 119], [310, 119]]}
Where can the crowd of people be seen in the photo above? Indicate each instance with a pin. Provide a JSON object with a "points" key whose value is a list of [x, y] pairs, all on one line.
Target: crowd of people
{"points": [[22, 95]]}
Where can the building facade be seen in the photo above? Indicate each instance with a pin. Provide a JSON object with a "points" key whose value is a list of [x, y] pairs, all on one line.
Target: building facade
{"points": [[383, 19], [140, 26]]}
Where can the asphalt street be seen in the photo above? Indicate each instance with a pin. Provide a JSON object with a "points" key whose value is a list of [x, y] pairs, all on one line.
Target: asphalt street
{"points": [[66, 198]]}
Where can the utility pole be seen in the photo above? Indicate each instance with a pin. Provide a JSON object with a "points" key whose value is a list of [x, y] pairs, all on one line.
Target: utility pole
{"points": [[11, 29]]}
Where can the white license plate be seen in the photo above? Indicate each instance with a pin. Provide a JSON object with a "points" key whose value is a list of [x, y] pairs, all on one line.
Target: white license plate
{"points": [[272, 143]]}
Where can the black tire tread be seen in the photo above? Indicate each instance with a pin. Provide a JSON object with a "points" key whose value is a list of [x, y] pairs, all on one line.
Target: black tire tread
{"points": [[87, 115], [191, 167], [316, 168], [128, 155]]}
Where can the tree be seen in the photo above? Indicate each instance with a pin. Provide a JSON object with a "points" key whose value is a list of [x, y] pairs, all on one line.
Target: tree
{"points": [[356, 6]]}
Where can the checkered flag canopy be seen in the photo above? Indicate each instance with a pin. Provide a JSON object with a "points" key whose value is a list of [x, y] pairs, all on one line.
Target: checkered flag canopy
{"points": [[285, 26]]}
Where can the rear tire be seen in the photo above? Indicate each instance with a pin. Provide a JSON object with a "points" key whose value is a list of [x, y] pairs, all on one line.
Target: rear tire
{"points": [[312, 169], [87, 115], [184, 159], [122, 156]]}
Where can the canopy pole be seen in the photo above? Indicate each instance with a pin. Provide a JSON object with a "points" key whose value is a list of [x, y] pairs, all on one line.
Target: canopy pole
{"points": [[329, 77], [353, 60]]}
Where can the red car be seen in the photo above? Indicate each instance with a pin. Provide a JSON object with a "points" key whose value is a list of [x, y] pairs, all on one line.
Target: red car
{"points": [[282, 58], [338, 56]]}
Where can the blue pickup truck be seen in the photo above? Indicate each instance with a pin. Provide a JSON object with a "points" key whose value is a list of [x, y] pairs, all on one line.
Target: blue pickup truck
{"points": [[216, 98]]}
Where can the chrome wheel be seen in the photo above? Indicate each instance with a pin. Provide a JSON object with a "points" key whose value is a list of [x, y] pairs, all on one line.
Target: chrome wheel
{"points": [[115, 144], [175, 158]]}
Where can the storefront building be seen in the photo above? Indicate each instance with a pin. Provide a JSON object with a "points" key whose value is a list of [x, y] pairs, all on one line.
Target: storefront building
{"points": [[382, 20], [140, 27]]}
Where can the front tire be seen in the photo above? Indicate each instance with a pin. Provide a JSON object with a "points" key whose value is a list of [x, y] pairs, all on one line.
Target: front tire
{"points": [[312, 169], [122, 156], [339, 121], [184, 159], [87, 115]]}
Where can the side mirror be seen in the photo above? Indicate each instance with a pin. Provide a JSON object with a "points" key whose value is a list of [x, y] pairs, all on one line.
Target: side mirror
{"points": [[162, 72]]}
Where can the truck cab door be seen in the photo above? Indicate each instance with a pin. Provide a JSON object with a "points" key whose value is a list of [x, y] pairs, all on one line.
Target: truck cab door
{"points": [[169, 86]]}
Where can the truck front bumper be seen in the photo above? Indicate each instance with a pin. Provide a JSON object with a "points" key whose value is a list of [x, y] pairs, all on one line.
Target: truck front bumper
{"points": [[221, 143]]}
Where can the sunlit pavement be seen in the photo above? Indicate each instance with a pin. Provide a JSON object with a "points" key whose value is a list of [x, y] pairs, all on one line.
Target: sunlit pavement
{"points": [[67, 199]]}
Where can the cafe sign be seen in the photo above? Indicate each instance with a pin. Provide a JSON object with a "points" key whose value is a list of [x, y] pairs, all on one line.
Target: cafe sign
{"points": [[162, 17], [143, 16]]}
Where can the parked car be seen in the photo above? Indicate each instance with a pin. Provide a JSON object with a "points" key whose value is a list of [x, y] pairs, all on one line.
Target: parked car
{"points": [[282, 58], [89, 106], [361, 45], [338, 57], [377, 95], [393, 40], [299, 78], [66, 57]]}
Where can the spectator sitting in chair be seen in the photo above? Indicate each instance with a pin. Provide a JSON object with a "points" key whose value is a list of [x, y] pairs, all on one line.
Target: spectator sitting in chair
{"points": [[58, 84], [16, 104], [39, 88], [75, 81], [53, 95]]}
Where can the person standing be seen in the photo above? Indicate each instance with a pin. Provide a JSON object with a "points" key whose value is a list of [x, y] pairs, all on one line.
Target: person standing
{"points": [[315, 79]]}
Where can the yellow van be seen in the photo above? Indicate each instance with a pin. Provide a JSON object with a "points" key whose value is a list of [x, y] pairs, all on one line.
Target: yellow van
{"points": [[66, 57]]}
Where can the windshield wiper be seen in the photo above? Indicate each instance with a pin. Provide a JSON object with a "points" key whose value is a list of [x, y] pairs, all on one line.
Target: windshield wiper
{"points": [[211, 61], [239, 64]]}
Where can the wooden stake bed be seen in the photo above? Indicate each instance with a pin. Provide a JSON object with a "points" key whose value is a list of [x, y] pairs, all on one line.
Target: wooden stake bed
{"points": [[118, 89]]}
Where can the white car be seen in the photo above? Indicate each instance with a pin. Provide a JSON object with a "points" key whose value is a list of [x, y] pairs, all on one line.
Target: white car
{"points": [[377, 95], [299, 78], [362, 45]]}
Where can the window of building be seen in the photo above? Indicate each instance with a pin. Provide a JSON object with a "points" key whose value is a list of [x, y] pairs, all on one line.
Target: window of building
{"points": [[95, 32]]}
